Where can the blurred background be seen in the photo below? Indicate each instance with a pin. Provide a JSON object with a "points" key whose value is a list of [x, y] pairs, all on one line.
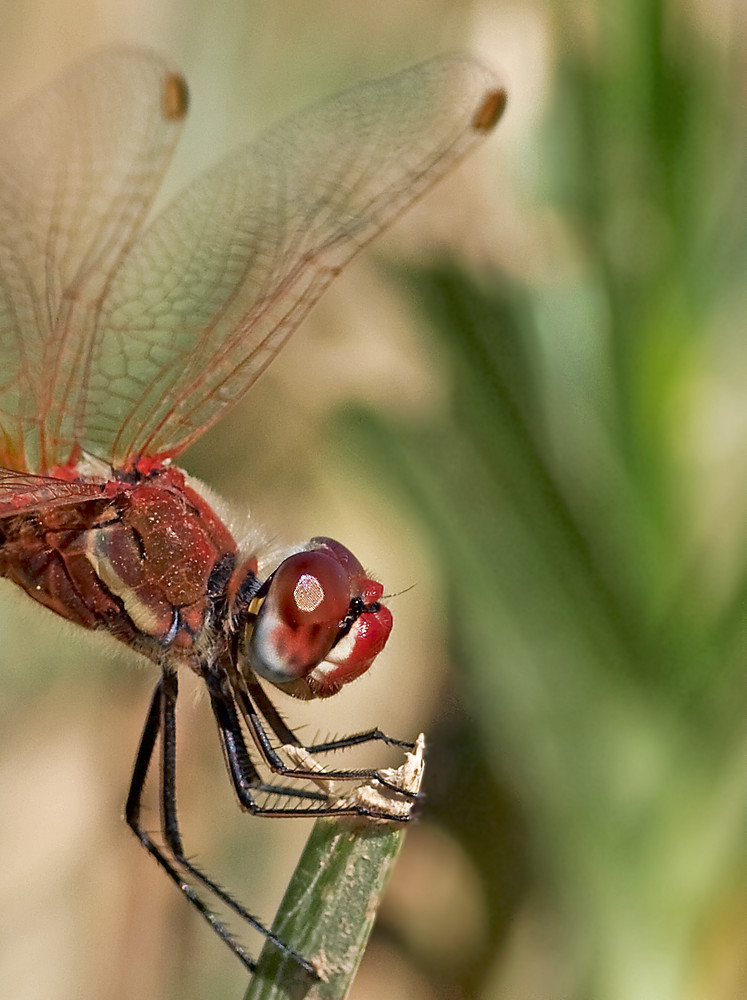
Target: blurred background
{"points": [[527, 403]]}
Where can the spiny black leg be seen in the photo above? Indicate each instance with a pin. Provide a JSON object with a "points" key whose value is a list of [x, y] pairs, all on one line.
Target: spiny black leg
{"points": [[286, 791], [169, 823], [153, 725], [170, 826], [369, 736], [278, 725], [287, 736], [244, 776], [237, 758], [273, 758], [161, 720], [142, 761]]}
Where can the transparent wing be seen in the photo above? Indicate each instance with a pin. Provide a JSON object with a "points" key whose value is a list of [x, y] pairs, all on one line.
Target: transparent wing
{"points": [[79, 165], [208, 295], [21, 492]]}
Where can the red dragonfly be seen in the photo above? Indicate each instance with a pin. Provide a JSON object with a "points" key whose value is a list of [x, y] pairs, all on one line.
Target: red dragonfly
{"points": [[121, 343]]}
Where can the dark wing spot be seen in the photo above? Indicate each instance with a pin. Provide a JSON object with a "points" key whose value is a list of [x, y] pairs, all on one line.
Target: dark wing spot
{"points": [[174, 97], [489, 111]]}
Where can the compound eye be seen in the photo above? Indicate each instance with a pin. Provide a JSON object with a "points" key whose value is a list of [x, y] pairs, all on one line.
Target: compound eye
{"points": [[300, 619], [311, 588]]}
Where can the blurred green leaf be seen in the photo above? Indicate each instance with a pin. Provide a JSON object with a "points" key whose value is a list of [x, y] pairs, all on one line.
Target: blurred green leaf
{"points": [[599, 638]]}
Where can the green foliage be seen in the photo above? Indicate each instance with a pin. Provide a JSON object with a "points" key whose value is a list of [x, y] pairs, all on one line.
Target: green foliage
{"points": [[589, 520]]}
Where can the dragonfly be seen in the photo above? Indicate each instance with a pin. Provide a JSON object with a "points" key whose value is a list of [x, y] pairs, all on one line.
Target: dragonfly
{"points": [[123, 339]]}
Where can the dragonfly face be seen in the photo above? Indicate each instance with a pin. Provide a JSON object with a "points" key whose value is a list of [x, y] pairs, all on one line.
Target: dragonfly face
{"points": [[120, 345], [321, 624]]}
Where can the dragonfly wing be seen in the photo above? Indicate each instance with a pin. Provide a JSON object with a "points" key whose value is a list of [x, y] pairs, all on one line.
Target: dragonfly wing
{"points": [[208, 295], [21, 492], [79, 164]]}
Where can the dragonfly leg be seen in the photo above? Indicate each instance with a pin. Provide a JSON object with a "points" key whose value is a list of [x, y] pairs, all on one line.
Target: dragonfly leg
{"points": [[170, 827], [244, 774], [153, 726], [356, 739], [253, 715], [286, 735], [245, 778]]}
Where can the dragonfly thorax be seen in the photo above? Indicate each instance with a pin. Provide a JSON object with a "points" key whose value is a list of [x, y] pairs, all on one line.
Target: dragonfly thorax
{"points": [[148, 560]]}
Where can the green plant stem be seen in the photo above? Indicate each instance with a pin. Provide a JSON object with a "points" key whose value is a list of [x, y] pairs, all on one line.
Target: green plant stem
{"points": [[329, 907]]}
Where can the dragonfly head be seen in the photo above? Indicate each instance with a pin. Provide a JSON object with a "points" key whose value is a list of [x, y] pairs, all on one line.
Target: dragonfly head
{"points": [[320, 625]]}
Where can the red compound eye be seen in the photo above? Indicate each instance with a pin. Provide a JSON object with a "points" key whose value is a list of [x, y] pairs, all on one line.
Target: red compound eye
{"points": [[320, 624], [311, 588]]}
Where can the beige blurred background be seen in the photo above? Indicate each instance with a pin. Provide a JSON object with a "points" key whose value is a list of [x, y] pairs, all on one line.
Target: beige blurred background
{"points": [[85, 912], [578, 663]]}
